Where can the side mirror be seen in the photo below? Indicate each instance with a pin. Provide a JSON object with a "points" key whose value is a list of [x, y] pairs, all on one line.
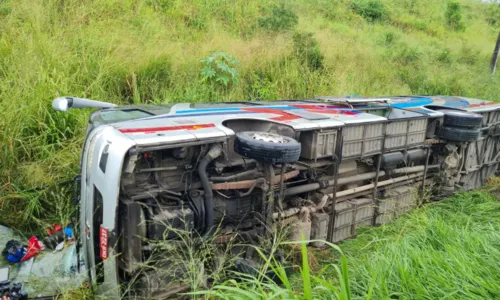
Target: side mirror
{"points": [[65, 103]]}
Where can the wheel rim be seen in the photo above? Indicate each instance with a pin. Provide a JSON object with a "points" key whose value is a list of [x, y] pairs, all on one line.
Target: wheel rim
{"points": [[268, 137]]}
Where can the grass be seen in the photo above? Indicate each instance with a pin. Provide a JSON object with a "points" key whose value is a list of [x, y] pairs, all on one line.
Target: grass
{"points": [[445, 250], [127, 51], [150, 51]]}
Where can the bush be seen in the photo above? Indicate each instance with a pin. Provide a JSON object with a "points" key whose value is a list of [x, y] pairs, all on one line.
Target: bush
{"points": [[307, 50], [260, 87], [408, 54], [220, 69], [372, 10], [454, 16], [493, 13], [445, 56], [390, 38], [468, 55], [280, 18]]}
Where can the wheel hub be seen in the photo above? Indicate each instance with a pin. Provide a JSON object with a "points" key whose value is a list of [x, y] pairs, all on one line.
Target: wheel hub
{"points": [[268, 137]]}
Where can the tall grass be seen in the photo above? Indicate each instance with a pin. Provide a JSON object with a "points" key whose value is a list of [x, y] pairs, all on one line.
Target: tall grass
{"points": [[445, 250], [127, 51], [284, 286]]}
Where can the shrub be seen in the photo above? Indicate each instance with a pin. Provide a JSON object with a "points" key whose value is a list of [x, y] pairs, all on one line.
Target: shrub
{"points": [[454, 16], [390, 37], [279, 18], [411, 6], [493, 13], [445, 56], [372, 10], [407, 54], [307, 50], [468, 55], [220, 69], [260, 87]]}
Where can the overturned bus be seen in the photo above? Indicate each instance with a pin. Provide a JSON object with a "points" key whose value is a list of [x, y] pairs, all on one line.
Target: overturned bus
{"points": [[319, 167]]}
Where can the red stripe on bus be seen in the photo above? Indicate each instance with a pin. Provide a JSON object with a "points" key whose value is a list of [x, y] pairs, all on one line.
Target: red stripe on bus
{"points": [[283, 116], [166, 128]]}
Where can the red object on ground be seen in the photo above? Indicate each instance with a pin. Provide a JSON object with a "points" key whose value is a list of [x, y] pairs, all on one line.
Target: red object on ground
{"points": [[33, 248], [55, 228]]}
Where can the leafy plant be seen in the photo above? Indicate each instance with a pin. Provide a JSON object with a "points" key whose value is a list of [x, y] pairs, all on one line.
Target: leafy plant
{"points": [[372, 10], [279, 18], [220, 69], [307, 50], [454, 16]]}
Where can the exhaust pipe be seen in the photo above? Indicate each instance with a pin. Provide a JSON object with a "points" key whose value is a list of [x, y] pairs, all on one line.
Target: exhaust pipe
{"points": [[65, 103], [214, 152]]}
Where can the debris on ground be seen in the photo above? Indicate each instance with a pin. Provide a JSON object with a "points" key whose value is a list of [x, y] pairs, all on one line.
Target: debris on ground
{"points": [[34, 247], [55, 236], [14, 251], [43, 273]]}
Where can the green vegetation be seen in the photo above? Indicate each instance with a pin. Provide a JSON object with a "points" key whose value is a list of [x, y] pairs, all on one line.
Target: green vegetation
{"points": [[372, 10], [454, 15], [158, 51], [493, 13], [149, 51], [307, 51], [280, 18], [447, 249], [219, 69]]}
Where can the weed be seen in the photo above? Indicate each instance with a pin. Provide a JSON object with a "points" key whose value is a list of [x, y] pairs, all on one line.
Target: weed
{"points": [[468, 55], [160, 5], [311, 285], [371, 10], [307, 50], [429, 252], [408, 54], [32, 207], [279, 18], [445, 56], [148, 83], [412, 6], [220, 69], [453, 16], [493, 13], [390, 38], [260, 87]]}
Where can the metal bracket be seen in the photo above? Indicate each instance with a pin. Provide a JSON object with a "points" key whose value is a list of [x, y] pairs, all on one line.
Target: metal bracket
{"points": [[337, 160]]}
